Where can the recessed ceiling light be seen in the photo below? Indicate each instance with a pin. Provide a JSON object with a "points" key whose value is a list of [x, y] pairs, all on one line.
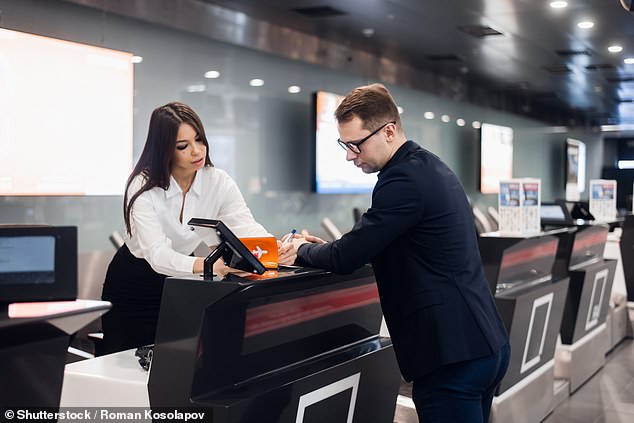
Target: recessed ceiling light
{"points": [[428, 115], [476, 124], [198, 88], [294, 89], [400, 110], [558, 4], [629, 61], [585, 24], [257, 82], [460, 122], [368, 32], [136, 59], [212, 74], [445, 118], [615, 49]]}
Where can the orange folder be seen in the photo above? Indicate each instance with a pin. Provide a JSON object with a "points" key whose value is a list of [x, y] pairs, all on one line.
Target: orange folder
{"points": [[264, 249]]}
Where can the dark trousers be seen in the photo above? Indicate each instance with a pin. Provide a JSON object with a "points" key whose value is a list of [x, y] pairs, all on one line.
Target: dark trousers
{"points": [[460, 392]]}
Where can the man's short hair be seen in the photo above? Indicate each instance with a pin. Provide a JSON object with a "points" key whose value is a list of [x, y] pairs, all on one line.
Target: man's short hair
{"points": [[373, 104]]}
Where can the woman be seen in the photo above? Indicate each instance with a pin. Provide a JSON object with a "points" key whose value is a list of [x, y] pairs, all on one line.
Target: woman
{"points": [[173, 181]]}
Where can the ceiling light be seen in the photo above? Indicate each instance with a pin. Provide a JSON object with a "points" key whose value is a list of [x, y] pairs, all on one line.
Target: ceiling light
{"points": [[294, 89], [198, 88], [629, 61], [257, 82], [428, 115], [445, 118], [136, 59], [621, 127], [368, 32], [400, 110], [585, 24], [625, 164], [615, 49], [460, 122], [476, 124], [558, 4], [212, 74]]}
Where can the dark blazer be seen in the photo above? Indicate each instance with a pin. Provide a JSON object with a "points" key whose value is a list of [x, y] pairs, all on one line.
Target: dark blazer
{"points": [[419, 236]]}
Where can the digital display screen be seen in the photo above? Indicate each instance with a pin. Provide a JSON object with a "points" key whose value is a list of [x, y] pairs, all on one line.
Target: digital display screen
{"points": [[575, 168], [496, 156], [552, 212], [27, 260], [333, 173], [71, 104]]}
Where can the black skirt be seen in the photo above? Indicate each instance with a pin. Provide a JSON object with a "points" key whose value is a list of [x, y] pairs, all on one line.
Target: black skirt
{"points": [[135, 291]]}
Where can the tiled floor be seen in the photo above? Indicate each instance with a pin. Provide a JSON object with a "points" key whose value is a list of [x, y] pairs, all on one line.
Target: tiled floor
{"points": [[608, 397]]}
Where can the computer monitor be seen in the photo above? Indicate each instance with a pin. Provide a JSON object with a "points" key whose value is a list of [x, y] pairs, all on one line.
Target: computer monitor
{"points": [[37, 263], [234, 253], [555, 214]]}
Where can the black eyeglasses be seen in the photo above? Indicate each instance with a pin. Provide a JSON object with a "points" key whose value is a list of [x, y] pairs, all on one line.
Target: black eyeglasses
{"points": [[354, 146]]}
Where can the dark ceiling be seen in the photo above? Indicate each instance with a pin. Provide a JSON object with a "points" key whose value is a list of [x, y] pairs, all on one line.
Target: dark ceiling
{"points": [[534, 50]]}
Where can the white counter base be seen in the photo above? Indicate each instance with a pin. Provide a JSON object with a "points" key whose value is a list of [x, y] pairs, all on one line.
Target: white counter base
{"points": [[579, 361], [114, 380], [528, 401]]}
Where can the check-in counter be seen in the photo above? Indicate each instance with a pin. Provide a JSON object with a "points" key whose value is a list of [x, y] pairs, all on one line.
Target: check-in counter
{"points": [[34, 338], [584, 333], [295, 346], [531, 303], [627, 256]]}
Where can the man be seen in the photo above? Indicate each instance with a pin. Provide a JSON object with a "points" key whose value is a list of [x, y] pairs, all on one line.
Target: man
{"points": [[419, 236]]}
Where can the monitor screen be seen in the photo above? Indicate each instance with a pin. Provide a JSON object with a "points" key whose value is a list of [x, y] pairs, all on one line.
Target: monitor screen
{"points": [[70, 105], [27, 260], [38, 263], [575, 169], [496, 156], [333, 173], [234, 253], [552, 212]]}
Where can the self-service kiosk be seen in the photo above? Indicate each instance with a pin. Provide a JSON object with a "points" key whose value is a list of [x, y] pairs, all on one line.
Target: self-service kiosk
{"points": [[38, 312], [531, 301], [584, 335], [627, 256], [297, 346]]}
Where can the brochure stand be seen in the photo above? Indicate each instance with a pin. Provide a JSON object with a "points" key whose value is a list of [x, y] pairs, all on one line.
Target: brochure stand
{"points": [[603, 199], [519, 203]]}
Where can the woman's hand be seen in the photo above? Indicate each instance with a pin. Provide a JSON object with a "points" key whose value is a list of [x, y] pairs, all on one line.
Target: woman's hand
{"points": [[219, 267], [286, 254]]}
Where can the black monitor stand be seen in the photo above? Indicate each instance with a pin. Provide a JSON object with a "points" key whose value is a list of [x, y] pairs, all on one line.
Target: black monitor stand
{"points": [[208, 267]]}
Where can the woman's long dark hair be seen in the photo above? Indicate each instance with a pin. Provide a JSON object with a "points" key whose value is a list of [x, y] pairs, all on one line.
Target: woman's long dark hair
{"points": [[155, 162]]}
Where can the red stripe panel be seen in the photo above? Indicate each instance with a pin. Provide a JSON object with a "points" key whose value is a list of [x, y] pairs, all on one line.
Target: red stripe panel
{"points": [[279, 315], [529, 254], [583, 242]]}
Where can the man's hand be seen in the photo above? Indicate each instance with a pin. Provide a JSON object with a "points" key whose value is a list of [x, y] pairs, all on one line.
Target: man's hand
{"points": [[311, 238], [286, 254]]}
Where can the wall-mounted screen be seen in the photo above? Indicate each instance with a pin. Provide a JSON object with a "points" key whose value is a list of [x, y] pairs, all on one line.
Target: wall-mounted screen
{"points": [[496, 156], [333, 174], [65, 117], [575, 169]]}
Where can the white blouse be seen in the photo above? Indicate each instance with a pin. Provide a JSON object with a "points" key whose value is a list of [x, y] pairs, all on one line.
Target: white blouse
{"points": [[163, 241]]}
